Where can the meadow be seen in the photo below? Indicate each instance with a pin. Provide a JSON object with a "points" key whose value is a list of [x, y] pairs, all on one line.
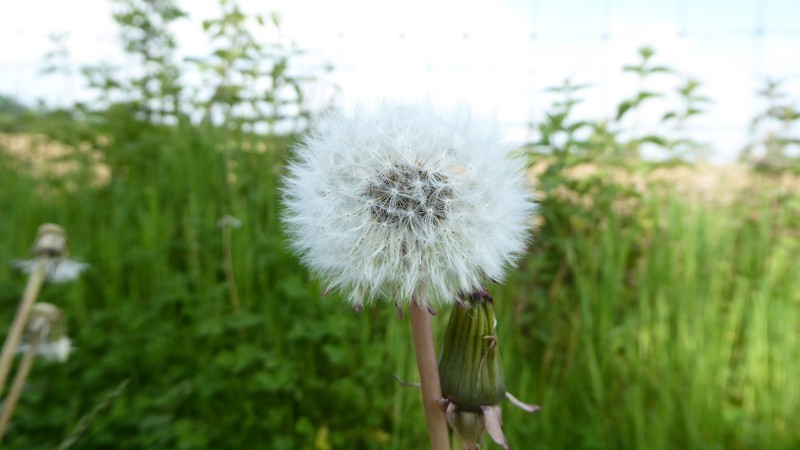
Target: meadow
{"points": [[649, 312], [672, 324]]}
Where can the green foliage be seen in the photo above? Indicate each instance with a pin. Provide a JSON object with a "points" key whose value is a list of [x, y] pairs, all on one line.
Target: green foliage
{"points": [[247, 84], [587, 168], [685, 346], [573, 205], [644, 320], [644, 70], [250, 81], [155, 91], [12, 114], [776, 145], [154, 310]]}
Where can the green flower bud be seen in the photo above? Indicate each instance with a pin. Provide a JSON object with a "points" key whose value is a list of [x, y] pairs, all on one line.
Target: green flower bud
{"points": [[469, 367]]}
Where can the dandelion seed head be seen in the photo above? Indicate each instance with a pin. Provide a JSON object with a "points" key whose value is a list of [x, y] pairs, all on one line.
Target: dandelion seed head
{"points": [[229, 221], [407, 194], [387, 203], [57, 350], [50, 250], [56, 271], [46, 334]]}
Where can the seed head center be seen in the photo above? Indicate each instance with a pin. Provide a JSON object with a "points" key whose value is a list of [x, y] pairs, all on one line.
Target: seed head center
{"points": [[408, 194]]}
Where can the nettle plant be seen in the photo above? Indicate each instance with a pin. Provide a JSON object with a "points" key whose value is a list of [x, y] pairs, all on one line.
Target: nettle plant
{"points": [[584, 167], [251, 84], [246, 84], [775, 146], [419, 208], [677, 146]]}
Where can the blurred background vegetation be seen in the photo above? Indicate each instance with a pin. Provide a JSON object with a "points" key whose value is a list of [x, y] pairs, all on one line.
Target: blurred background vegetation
{"points": [[658, 306]]}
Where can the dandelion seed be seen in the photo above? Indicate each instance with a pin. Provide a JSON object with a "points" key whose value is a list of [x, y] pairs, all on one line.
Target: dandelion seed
{"points": [[400, 217]]}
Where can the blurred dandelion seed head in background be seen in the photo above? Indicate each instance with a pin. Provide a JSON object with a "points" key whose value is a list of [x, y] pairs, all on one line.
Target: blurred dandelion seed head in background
{"points": [[51, 249], [229, 221], [51, 241], [52, 351], [405, 201], [56, 271], [47, 332]]}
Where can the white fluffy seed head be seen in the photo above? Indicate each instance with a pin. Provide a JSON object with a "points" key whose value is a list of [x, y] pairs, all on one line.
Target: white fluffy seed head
{"points": [[404, 201]]}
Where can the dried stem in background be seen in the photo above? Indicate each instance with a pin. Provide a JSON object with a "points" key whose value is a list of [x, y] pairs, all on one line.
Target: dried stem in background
{"points": [[21, 320], [86, 421], [227, 260], [18, 384]]}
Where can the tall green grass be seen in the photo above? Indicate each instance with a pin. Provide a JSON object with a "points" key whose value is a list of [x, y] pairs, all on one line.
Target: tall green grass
{"points": [[682, 335], [693, 349]]}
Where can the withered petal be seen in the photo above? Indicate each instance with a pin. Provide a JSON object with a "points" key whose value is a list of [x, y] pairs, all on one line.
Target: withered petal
{"points": [[521, 405], [493, 420]]}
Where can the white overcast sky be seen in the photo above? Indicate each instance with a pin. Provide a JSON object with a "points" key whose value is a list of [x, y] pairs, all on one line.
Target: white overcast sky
{"points": [[497, 55]]}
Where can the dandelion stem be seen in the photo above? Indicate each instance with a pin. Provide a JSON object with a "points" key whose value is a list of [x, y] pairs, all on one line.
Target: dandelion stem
{"points": [[19, 383], [429, 376], [20, 321]]}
